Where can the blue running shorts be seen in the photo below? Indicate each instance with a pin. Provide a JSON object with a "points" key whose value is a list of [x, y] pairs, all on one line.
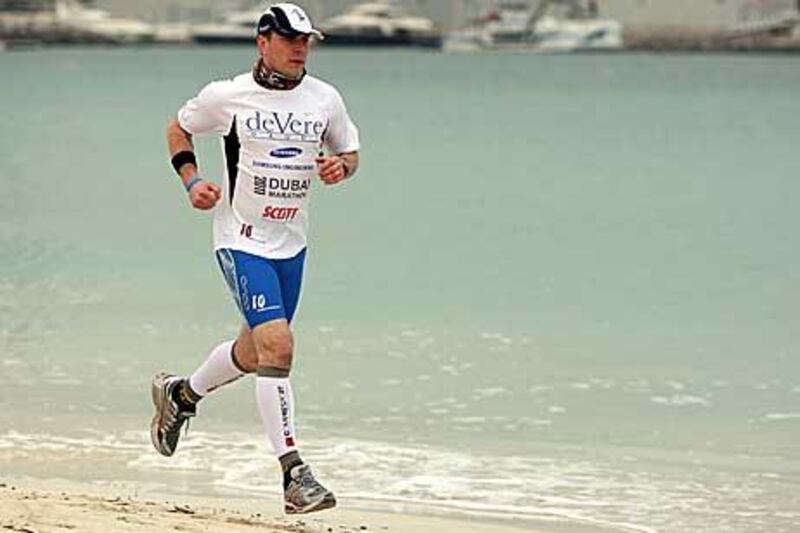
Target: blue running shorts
{"points": [[264, 289]]}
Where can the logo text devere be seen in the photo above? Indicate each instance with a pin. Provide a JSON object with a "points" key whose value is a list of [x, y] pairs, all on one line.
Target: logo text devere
{"points": [[283, 124]]}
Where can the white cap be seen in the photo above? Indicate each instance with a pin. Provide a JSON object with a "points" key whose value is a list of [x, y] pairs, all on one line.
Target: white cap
{"points": [[288, 20]]}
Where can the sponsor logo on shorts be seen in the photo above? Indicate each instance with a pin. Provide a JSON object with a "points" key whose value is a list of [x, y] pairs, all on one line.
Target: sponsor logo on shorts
{"points": [[244, 295], [258, 303], [280, 214], [286, 153]]}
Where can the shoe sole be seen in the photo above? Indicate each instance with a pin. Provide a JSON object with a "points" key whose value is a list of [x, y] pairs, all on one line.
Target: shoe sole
{"points": [[159, 402], [326, 502]]}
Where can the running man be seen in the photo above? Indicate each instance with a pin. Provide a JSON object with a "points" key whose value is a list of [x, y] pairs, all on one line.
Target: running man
{"points": [[276, 122]]}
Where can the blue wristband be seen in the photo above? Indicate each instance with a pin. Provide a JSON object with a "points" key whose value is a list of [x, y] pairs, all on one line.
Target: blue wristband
{"points": [[192, 182]]}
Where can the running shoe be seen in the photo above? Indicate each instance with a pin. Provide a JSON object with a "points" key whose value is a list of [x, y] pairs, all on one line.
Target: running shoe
{"points": [[165, 429], [305, 494]]}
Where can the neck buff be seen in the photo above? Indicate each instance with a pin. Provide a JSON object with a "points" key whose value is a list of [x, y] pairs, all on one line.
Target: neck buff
{"points": [[272, 79]]}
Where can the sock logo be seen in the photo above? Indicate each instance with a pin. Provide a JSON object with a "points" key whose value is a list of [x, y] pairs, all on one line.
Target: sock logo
{"points": [[284, 403]]}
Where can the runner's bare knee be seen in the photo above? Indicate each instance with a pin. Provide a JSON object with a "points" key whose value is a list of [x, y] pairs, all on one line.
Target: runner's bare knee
{"points": [[274, 344]]}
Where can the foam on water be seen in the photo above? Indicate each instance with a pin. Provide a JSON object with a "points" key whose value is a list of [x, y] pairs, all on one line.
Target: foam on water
{"points": [[574, 487], [680, 400], [781, 416]]}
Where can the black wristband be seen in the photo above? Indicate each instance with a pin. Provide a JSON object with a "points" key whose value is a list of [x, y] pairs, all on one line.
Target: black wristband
{"points": [[182, 158]]}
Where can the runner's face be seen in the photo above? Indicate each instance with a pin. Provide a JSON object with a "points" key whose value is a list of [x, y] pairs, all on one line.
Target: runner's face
{"points": [[287, 56]]}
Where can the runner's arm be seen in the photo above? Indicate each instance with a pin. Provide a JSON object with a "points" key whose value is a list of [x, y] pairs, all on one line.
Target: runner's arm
{"points": [[179, 140], [203, 195]]}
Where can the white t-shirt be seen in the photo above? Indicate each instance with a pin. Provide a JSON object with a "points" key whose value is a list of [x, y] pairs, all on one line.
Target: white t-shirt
{"points": [[270, 140]]}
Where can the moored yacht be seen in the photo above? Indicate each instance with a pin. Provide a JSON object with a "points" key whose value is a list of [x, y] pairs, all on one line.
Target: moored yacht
{"points": [[235, 28], [380, 24], [96, 25], [552, 25]]}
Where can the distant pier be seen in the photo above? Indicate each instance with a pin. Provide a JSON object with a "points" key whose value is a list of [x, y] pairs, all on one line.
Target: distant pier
{"points": [[688, 40]]}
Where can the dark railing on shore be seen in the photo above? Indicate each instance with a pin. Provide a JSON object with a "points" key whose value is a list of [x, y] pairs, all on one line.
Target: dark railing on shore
{"points": [[672, 39]]}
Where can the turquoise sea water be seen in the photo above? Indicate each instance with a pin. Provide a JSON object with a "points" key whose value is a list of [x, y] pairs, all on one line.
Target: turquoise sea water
{"points": [[562, 288]]}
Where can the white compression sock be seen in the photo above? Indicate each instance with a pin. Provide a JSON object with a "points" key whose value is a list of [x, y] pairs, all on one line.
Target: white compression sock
{"points": [[218, 370], [276, 405]]}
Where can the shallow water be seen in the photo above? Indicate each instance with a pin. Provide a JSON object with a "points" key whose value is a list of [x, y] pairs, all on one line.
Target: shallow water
{"points": [[561, 287]]}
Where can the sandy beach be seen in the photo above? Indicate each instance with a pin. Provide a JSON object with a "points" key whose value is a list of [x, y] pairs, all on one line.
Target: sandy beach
{"points": [[41, 507]]}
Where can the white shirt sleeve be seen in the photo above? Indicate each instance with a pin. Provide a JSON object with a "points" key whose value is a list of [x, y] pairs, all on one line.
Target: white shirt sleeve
{"points": [[341, 135], [207, 112]]}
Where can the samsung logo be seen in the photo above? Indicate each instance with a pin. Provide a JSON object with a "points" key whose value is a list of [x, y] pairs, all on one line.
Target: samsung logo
{"points": [[286, 153]]}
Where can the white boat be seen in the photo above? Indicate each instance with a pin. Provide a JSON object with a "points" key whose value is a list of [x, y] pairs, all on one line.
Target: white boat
{"points": [[518, 26], [380, 24], [766, 23], [172, 33], [234, 28], [86, 24]]}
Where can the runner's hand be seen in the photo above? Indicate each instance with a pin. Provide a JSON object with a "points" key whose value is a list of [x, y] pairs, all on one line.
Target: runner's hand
{"points": [[204, 195], [331, 169]]}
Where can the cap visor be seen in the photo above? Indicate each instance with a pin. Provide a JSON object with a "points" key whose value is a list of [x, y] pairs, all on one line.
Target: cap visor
{"points": [[291, 34]]}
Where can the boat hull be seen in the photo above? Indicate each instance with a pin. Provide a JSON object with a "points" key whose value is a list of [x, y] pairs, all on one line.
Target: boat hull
{"points": [[427, 41], [223, 39]]}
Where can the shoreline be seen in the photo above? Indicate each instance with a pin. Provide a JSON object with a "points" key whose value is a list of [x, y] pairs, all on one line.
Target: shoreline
{"points": [[36, 505], [636, 41]]}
